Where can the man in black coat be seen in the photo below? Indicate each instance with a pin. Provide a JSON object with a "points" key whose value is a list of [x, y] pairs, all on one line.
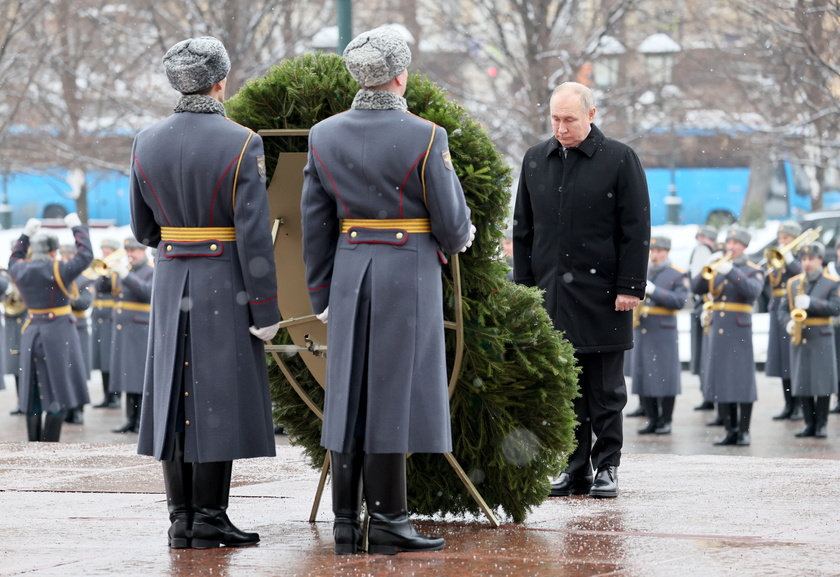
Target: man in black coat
{"points": [[581, 233]]}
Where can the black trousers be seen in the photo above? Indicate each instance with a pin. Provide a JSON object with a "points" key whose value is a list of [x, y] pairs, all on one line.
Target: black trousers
{"points": [[598, 410]]}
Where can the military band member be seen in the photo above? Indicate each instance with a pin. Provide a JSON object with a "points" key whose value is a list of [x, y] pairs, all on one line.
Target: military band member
{"points": [[729, 364], [130, 318], [656, 358], [82, 293], [832, 269], [102, 327], [386, 392], [53, 373], [198, 196], [705, 237], [14, 315], [812, 299], [778, 345], [5, 283]]}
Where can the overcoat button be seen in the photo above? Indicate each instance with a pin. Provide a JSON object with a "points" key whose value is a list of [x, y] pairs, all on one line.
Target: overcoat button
{"points": [[119, 327], [186, 393], [720, 331], [644, 331], [212, 247], [187, 422], [168, 247], [186, 363], [354, 234], [399, 235]]}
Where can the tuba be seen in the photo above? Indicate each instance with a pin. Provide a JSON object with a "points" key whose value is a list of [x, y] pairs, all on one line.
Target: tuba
{"points": [[775, 257], [13, 303], [102, 266], [798, 316], [710, 270]]}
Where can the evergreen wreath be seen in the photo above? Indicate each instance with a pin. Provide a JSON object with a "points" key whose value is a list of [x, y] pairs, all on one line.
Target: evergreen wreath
{"points": [[512, 416]]}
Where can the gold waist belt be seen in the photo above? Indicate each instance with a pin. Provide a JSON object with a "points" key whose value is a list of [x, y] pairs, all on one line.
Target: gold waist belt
{"points": [[658, 311], [56, 311], [779, 292], [128, 306], [406, 224], [809, 322], [103, 303], [195, 234], [79, 314], [731, 307]]}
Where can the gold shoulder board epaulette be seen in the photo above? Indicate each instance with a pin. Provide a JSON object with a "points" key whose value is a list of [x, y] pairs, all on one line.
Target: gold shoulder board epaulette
{"points": [[678, 269], [830, 276]]}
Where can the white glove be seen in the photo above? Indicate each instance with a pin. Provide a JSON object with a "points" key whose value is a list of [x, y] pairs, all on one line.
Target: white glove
{"points": [[802, 301], [705, 317], [715, 256], [789, 327], [265, 333], [33, 225], [724, 267], [323, 316], [788, 257], [472, 238], [650, 288], [72, 220], [121, 268]]}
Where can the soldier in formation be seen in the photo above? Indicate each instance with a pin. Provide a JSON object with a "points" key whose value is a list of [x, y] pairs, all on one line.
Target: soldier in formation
{"points": [[102, 325], [81, 291]]}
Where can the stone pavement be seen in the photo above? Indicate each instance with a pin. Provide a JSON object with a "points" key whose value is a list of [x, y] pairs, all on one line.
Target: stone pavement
{"points": [[90, 506]]}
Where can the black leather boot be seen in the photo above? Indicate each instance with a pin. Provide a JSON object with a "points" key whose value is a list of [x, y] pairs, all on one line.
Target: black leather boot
{"points": [[52, 427], [33, 427], [177, 478], [663, 427], [808, 413], [75, 416], [132, 414], [821, 417], [789, 402], [705, 406], [728, 413], [652, 413], [390, 530], [17, 410], [744, 424], [719, 419], [112, 398], [836, 408], [346, 472], [211, 492]]}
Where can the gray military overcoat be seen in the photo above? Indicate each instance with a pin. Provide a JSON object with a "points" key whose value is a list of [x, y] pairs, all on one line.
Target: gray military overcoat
{"points": [[813, 363], [655, 355], [778, 341], [728, 371], [101, 325], [383, 287], [207, 291], [50, 340], [130, 329]]}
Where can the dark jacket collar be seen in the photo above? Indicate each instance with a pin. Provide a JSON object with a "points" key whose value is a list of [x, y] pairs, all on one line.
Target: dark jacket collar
{"points": [[588, 147]]}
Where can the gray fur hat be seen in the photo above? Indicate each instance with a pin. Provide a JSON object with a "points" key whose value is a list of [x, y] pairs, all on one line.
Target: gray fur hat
{"points": [[814, 249], [68, 249], [131, 242], [196, 64], [662, 242], [790, 227], [42, 243], [376, 56], [110, 243], [735, 232], [707, 232]]}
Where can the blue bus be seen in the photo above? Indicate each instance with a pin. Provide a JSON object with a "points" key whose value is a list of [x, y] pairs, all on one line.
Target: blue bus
{"points": [[718, 193], [52, 196]]}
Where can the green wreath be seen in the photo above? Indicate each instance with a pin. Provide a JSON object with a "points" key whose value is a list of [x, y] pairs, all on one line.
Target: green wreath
{"points": [[512, 417]]}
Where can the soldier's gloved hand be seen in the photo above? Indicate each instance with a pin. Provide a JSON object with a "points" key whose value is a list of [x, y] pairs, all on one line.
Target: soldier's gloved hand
{"points": [[472, 238], [802, 301], [323, 316], [265, 333], [715, 256], [72, 220], [121, 268], [705, 317], [32, 226], [788, 256], [650, 288], [789, 327], [724, 267]]}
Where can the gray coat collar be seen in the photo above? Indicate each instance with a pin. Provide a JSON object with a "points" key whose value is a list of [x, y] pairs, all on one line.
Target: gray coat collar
{"points": [[200, 103], [378, 100]]}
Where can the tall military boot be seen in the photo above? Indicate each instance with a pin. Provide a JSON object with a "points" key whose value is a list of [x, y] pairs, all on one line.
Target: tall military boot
{"points": [[210, 496], [789, 402], [33, 427], [52, 427], [652, 413], [728, 413], [112, 398], [17, 410], [797, 414], [744, 424], [808, 413], [390, 530], [132, 414], [177, 478], [75, 416], [836, 408], [346, 472], [821, 417], [663, 427]]}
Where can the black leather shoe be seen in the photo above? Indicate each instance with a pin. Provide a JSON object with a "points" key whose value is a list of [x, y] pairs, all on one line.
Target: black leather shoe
{"points": [[648, 429], [663, 429], [639, 412], [797, 415], [74, 417], [809, 430], [836, 408], [743, 439], [730, 438], [568, 484], [606, 483], [785, 414], [705, 406], [17, 412], [388, 535], [716, 422]]}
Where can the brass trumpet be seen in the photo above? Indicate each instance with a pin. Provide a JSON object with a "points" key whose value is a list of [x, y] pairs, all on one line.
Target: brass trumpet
{"points": [[710, 270], [775, 257], [798, 317], [102, 266]]}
